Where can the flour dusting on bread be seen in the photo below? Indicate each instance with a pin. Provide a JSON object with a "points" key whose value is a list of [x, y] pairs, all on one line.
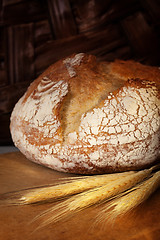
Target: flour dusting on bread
{"points": [[83, 117], [71, 62]]}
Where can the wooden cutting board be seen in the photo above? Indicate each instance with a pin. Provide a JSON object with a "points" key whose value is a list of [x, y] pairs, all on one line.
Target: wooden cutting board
{"points": [[16, 173]]}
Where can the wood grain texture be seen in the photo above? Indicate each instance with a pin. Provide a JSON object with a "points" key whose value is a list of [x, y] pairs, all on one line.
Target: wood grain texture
{"points": [[36, 33], [20, 53], [15, 222]]}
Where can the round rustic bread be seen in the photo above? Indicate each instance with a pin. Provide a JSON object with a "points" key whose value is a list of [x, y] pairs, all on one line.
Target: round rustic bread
{"points": [[88, 117]]}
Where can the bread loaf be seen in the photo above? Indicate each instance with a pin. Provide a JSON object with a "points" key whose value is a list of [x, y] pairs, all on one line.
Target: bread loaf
{"points": [[88, 117]]}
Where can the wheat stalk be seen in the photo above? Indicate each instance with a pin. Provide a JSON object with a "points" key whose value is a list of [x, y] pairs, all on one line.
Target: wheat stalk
{"points": [[124, 191], [92, 197], [67, 187], [130, 200]]}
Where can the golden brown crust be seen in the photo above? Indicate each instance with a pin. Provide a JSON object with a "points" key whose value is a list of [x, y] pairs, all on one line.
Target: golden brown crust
{"points": [[84, 116], [131, 69]]}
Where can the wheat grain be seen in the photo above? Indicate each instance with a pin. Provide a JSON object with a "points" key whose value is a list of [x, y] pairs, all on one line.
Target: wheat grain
{"points": [[91, 197], [68, 187], [131, 199], [126, 190]]}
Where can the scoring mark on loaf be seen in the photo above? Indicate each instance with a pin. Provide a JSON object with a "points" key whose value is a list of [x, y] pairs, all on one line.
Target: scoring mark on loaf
{"points": [[122, 131], [121, 123], [131, 114], [39, 110], [130, 137], [71, 62]]}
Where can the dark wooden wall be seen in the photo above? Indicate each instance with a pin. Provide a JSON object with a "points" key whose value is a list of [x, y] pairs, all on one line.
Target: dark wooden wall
{"points": [[36, 33]]}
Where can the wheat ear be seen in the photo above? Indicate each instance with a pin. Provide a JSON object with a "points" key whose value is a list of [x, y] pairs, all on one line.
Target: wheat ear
{"points": [[92, 197], [65, 188], [131, 199]]}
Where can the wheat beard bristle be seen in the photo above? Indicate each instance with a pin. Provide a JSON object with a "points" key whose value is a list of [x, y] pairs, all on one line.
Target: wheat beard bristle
{"points": [[97, 195], [118, 192], [66, 187]]}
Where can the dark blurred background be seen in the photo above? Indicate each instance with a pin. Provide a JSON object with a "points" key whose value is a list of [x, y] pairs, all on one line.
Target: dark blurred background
{"points": [[36, 33]]}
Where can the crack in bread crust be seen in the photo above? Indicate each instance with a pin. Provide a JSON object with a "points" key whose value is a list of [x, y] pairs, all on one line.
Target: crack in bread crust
{"points": [[85, 92], [92, 122]]}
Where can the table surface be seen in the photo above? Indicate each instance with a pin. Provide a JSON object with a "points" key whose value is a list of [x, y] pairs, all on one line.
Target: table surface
{"points": [[16, 222]]}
